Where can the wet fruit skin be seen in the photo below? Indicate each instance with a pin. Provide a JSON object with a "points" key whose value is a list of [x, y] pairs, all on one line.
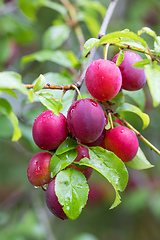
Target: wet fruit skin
{"points": [[82, 153], [132, 78], [103, 79], [38, 172], [86, 120], [52, 201], [122, 142], [98, 141], [49, 130]]}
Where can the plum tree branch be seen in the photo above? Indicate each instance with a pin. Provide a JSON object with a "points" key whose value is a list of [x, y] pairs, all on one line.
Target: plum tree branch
{"points": [[124, 46], [101, 33], [152, 147], [138, 134], [57, 87]]}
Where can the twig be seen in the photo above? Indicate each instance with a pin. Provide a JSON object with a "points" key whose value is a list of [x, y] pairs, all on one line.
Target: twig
{"points": [[101, 33], [152, 147], [138, 134], [121, 45], [57, 87], [107, 18]]}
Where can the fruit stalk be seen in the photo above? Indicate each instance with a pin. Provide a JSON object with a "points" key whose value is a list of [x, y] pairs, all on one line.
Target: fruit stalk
{"points": [[152, 147], [149, 144]]}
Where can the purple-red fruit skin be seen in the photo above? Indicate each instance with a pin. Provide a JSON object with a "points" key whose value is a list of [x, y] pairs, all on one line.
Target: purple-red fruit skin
{"points": [[82, 152], [52, 201], [86, 120], [98, 141], [49, 130], [132, 78], [103, 79], [122, 142], [38, 171]]}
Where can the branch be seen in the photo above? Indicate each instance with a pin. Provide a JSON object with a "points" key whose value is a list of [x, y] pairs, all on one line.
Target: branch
{"points": [[152, 147], [50, 86], [138, 134], [101, 33], [127, 46]]}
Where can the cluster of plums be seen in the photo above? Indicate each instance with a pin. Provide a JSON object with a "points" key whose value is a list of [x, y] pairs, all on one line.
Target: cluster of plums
{"points": [[86, 121]]}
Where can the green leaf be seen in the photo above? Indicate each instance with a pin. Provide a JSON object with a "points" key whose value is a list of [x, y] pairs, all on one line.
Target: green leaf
{"points": [[141, 64], [17, 132], [57, 79], [61, 161], [30, 7], [118, 99], [152, 73], [63, 58], [30, 95], [12, 80], [55, 36], [157, 45], [139, 162], [149, 31], [110, 167], [9, 91], [126, 107], [91, 22], [66, 146], [120, 57], [6, 109], [72, 191], [125, 37], [55, 6], [13, 28], [50, 103], [94, 5], [89, 44], [138, 96], [133, 43], [39, 83]]}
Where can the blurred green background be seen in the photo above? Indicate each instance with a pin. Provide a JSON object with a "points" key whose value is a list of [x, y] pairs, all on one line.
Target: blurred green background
{"points": [[23, 214]]}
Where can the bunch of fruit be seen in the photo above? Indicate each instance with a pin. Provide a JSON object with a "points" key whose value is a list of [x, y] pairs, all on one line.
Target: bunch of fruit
{"points": [[86, 121]]}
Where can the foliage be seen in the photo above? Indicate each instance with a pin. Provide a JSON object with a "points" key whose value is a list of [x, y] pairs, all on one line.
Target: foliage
{"points": [[54, 48]]}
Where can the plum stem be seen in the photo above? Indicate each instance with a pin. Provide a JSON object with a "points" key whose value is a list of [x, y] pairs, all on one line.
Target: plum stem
{"points": [[110, 120], [75, 87], [105, 50], [138, 134], [152, 147]]}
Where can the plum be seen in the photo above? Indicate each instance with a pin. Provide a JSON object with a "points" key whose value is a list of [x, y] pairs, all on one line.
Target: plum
{"points": [[122, 142], [38, 172], [103, 79], [49, 130], [132, 78], [52, 201], [86, 120]]}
